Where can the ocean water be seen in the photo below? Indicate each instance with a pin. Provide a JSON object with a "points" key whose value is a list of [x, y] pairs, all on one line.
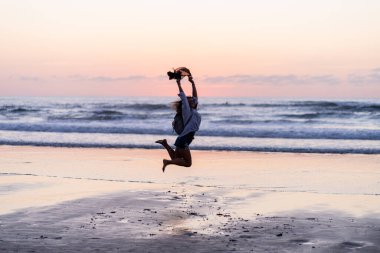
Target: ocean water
{"points": [[243, 124]]}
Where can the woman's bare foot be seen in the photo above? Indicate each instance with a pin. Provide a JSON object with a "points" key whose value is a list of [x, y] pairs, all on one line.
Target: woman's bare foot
{"points": [[165, 163], [162, 142]]}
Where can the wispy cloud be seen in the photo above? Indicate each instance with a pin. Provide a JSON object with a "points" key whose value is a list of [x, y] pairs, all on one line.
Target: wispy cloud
{"points": [[30, 78], [81, 78], [275, 79], [105, 79], [117, 79], [370, 78]]}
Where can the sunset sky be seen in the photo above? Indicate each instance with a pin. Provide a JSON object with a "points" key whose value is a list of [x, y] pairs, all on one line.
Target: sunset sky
{"points": [[272, 48]]}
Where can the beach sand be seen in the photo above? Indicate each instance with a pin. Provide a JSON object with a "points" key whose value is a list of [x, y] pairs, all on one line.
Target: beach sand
{"points": [[118, 200]]}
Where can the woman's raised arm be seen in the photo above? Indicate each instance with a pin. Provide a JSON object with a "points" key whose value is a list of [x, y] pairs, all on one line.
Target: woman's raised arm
{"points": [[195, 93]]}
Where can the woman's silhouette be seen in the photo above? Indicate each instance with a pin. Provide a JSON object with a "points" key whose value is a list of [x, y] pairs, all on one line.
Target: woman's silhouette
{"points": [[187, 106]]}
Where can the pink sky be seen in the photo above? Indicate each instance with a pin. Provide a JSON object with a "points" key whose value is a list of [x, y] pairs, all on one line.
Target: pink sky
{"points": [[322, 49]]}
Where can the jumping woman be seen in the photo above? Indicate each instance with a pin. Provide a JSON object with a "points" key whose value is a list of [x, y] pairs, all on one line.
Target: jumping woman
{"points": [[187, 106]]}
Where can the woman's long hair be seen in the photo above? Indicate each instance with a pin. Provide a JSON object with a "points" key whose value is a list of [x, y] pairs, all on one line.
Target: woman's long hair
{"points": [[177, 105]]}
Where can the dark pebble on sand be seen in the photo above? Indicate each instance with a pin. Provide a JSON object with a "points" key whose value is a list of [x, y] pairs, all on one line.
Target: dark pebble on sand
{"points": [[190, 233], [280, 234], [352, 245]]}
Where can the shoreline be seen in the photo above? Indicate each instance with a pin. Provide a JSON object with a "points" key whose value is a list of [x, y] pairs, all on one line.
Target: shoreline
{"points": [[75, 199], [348, 151]]}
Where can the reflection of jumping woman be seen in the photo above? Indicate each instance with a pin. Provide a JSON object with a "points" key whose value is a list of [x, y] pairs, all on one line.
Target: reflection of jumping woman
{"points": [[181, 156]]}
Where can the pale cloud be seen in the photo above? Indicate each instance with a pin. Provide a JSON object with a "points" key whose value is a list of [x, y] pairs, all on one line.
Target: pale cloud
{"points": [[30, 78], [370, 78], [117, 79], [80, 78], [107, 78], [275, 79]]}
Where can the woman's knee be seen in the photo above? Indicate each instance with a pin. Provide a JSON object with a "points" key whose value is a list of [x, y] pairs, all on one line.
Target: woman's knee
{"points": [[188, 164]]}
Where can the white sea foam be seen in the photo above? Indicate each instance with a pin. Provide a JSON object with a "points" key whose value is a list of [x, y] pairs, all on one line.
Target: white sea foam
{"points": [[322, 126]]}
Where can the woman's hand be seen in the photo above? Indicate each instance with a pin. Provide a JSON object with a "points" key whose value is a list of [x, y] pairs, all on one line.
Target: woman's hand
{"points": [[191, 79]]}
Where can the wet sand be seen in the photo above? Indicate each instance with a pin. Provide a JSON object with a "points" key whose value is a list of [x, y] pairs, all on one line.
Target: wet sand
{"points": [[69, 200]]}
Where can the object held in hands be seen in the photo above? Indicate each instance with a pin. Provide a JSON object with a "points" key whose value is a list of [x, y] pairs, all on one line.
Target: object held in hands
{"points": [[179, 73]]}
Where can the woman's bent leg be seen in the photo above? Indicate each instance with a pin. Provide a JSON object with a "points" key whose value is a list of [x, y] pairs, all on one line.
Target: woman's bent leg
{"points": [[165, 144], [183, 158]]}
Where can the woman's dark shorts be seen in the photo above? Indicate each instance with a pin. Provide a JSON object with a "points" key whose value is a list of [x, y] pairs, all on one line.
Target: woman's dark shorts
{"points": [[184, 141]]}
